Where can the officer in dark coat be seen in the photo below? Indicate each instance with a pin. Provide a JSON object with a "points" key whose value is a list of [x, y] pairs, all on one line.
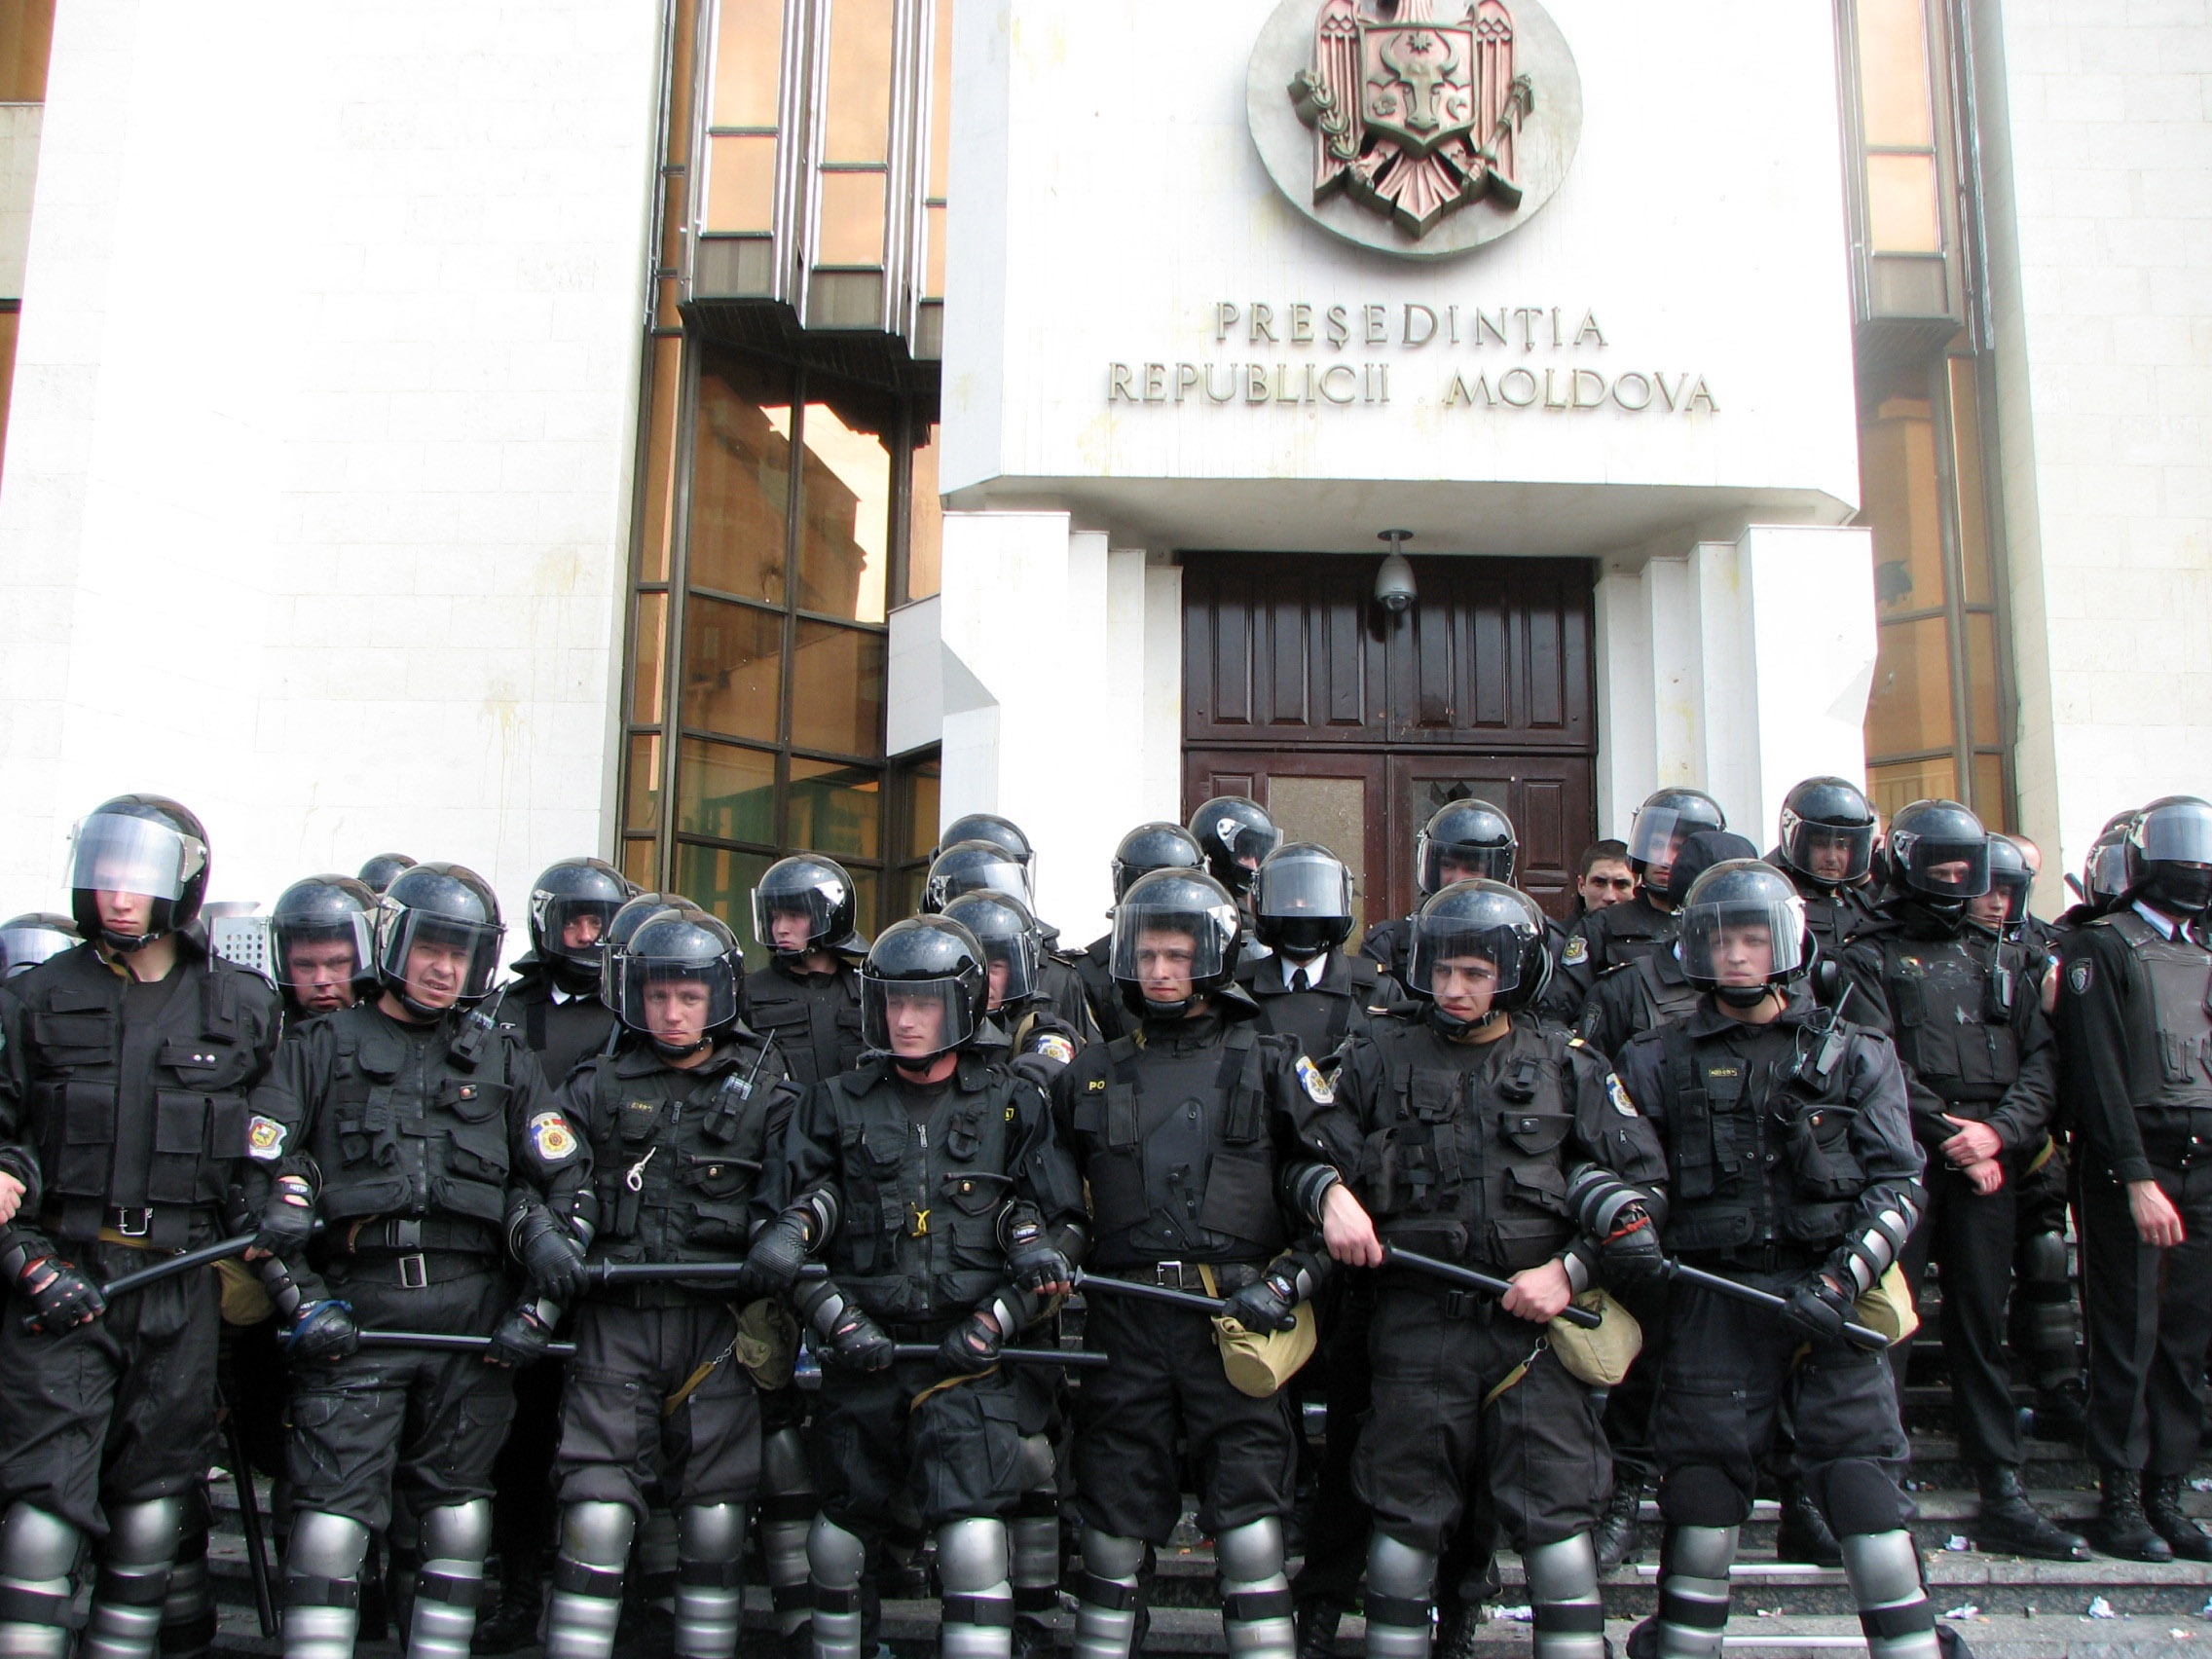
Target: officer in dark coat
{"points": [[1959, 1002], [1602, 940], [1146, 848], [931, 1184], [1309, 990], [1501, 1142], [1826, 846], [1196, 1136], [807, 999], [1792, 1167], [1463, 840], [125, 1063], [1059, 982], [2134, 1029], [660, 1398], [554, 998], [1648, 991], [425, 1139], [321, 947]]}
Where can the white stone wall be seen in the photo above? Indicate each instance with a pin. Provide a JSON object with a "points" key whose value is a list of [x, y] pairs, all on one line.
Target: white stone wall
{"points": [[315, 512], [2097, 160], [20, 124]]}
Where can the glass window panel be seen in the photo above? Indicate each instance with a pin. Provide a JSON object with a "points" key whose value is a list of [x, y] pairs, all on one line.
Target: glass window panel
{"points": [[748, 54], [851, 232], [641, 791], [1989, 803], [1981, 675], [1911, 707], [1901, 205], [1965, 468], [646, 653], [1898, 785], [922, 782], [27, 43], [837, 689], [1893, 72], [638, 861], [658, 487], [835, 809], [941, 104], [932, 254], [741, 183], [868, 888], [1332, 811], [856, 121], [725, 792], [741, 477], [732, 667], [925, 523], [683, 58], [721, 882], [846, 531], [1902, 503]]}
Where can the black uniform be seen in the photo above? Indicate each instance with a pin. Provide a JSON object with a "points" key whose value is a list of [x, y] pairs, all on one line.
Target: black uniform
{"points": [[562, 1030], [123, 1111], [1635, 997], [1961, 1006], [814, 1019], [1060, 986], [1603, 939], [1093, 967], [1320, 1019], [1832, 913]]}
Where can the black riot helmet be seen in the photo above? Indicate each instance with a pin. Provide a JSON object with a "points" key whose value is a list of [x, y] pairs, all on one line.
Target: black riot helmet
{"points": [[315, 915], [812, 888], [1302, 901], [1008, 934], [973, 866], [1234, 834], [1170, 902], [2104, 872], [574, 899], [1479, 921], [1662, 823], [2008, 874], [922, 990], [450, 911], [1154, 846], [140, 845], [1002, 833], [1827, 832], [2169, 854], [1743, 932], [1939, 856], [624, 923], [29, 940], [378, 872], [678, 945], [1698, 854], [1464, 840]]}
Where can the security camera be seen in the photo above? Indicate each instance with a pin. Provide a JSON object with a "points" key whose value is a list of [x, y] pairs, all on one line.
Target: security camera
{"points": [[1395, 584]]}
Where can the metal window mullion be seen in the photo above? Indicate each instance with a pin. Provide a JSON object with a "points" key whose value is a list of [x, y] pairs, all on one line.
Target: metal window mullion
{"points": [[805, 70], [679, 579], [787, 670], [1954, 574]]}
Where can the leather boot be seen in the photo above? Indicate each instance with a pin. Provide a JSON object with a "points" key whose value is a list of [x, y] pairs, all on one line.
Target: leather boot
{"points": [[1619, 1533], [1318, 1617], [2010, 1524], [2120, 1528], [1804, 1534], [513, 1624], [2062, 1411], [2161, 1507], [1459, 1633]]}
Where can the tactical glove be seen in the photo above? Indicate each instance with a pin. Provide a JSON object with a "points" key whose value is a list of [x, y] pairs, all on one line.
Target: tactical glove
{"points": [[1818, 1310], [322, 1331], [858, 1342], [550, 1255], [1268, 1303], [1034, 1260], [521, 1338], [61, 1295], [1631, 1252], [779, 1252], [287, 1218]]}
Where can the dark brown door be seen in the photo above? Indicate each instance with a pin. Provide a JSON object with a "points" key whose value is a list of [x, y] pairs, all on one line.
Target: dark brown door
{"points": [[1352, 726]]}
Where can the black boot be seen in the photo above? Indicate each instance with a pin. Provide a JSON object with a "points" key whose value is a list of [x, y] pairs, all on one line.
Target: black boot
{"points": [[2010, 1524], [2120, 1528], [2161, 1507], [1804, 1534], [1619, 1533], [1318, 1617], [1459, 1631], [513, 1623], [2062, 1411]]}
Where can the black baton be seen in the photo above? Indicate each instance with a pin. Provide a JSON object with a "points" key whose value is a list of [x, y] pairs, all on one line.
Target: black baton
{"points": [[449, 1341], [1164, 1294], [1451, 1273], [1075, 1359], [171, 1267], [249, 1521], [1861, 1336]]}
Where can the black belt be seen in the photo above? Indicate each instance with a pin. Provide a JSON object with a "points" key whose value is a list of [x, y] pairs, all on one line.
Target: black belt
{"points": [[165, 1227], [419, 1233], [1228, 1276], [415, 1269]]}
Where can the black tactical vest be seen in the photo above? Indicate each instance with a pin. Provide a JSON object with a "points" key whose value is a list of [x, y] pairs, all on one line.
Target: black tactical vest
{"points": [[815, 1024], [1177, 1150], [1463, 1158], [1952, 1002], [2178, 976], [1662, 993]]}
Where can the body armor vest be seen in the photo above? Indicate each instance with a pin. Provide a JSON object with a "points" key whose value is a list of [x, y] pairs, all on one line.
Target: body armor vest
{"points": [[1952, 1002], [563, 1035], [919, 1242], [1465, 1147], [815, 1024], [1324, 1016], [1177, 1150], [1755, 1158], [1662, 993], [2177, 974]]}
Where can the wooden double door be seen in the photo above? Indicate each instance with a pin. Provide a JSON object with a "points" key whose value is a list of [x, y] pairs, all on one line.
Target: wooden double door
{"points": [[1352, 725]]}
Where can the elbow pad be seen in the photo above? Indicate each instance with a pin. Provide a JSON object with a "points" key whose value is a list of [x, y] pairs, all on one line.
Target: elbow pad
{"points": [[1305, 1187], [1868, 1254], [1597, 1198]]}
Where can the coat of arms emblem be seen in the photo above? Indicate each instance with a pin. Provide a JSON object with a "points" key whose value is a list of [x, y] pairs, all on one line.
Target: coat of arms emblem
{"points": [[1414, 115]]}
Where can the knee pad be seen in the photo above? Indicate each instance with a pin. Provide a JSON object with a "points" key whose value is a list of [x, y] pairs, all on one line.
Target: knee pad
{"points": [[36, 1545], [1250, 1553], [596, 1534], [710, 1532], [144, 1535], [1400, 1572], [1697, 1552], [457, 1531], [971, 1556], [2043, 1258], [1108, 1555], [1857, 1497], [1699, 1495], [1884, 1568], [1562, 1573], [784, 1467], [835, 1558], [325, 1547], [1034, 1467]]}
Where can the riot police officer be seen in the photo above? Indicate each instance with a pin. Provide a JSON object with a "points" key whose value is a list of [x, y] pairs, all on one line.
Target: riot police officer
{"points": [[320, 943], [1463, 840], [807, 999], [1497, 1141], [1960, 1003], [1235, 834], [1198, 1139], [1621, 933], [29, 940], [1827, 849], [1648, 990], [929, 1182], [425, 1139], [1309, 990], [377, 873], [1036, 1042], [125, 1063], [1146, 848], [660, 1399], [2134, 1029], [985, 865], [1791, 1167], [554, 998]]}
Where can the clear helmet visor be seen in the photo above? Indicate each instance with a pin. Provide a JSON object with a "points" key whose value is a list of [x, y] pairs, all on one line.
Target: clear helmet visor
{"points": [[1742, 944], [2176, 834], [1451, 956], [1010, 968], [114, 853], [574, 928], [914, 1019], [1827, 852], [1309, 887], [2106, 871], [1656, 834], [1442, 863], [676, 1002], [1946, 869], [1162, 947], [310, 955], [794, 919], [1003, 874], [23, 948], [441, 963]]}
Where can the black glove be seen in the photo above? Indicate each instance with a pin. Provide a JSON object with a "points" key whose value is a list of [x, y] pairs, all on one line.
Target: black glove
{"points": [[322, 1331], [971, 1345], [1038, 1069], [858, 1344], [779, 1252], [60, 1294], [1267, 1305], [1818, 1310], [521, 1338], [287, 1218], [1034, 1260], [550, 1254], [1631, 1253]]}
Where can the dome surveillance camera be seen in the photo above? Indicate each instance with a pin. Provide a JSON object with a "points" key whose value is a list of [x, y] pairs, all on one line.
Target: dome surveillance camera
{"points": [[1395, 584]]}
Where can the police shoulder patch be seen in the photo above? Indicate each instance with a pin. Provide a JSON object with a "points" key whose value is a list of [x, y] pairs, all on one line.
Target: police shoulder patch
{"points": [[263, 1138], [1619, 1096], [1054, 1046], [1097, 1085], [1317, 1088], [551, 1136], [2081, 975], [1578, 950]]}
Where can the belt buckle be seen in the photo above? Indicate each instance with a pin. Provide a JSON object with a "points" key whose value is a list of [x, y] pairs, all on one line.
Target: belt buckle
{"points": [[143, 1215], [413, 1272], [1160, 1271]]}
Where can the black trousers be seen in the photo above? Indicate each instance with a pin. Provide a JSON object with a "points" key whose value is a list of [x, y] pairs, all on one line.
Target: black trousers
{"points": [[621, 1442], [1972, 1238], [1337, 1534], [2149, 1314]]}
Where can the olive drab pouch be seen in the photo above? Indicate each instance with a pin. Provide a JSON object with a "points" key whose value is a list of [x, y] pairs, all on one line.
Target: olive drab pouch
{"points": [[1600, 1357], [768, 1343], [1259, 1363], [1888, 1307]]}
